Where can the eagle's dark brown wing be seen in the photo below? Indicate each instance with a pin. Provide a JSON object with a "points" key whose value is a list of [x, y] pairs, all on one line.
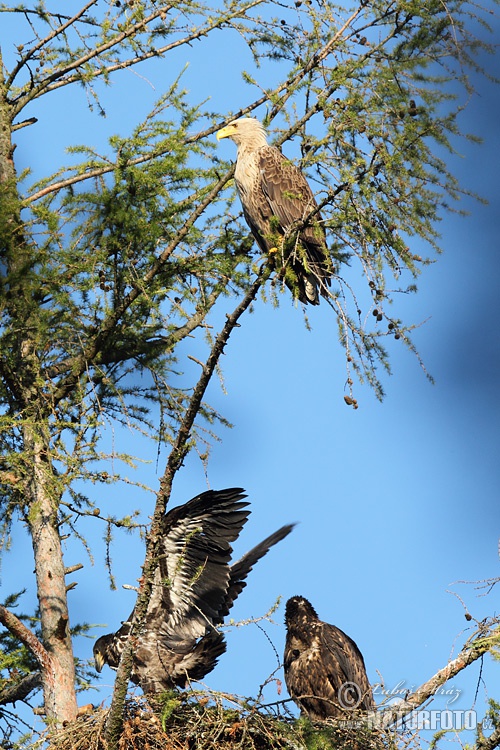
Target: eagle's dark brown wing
{"points": [[324, 669], [193, 588], [345, 667], [291, 200], [288, 193], [194, 563]]}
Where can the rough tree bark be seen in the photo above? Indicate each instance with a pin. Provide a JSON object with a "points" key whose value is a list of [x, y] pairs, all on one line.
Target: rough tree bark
{"points": [[22, 376], [59, 680]]}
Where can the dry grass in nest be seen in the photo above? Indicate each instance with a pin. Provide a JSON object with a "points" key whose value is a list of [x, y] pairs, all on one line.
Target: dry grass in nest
{"points": [[213, 721]]}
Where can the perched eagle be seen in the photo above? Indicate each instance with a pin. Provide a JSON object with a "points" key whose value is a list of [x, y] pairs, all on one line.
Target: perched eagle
{"points": [[276, 198], [194, 588], [324, 669]]}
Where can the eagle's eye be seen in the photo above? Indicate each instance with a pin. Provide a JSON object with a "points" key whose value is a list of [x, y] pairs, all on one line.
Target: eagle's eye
{"points": [[295, 653]]}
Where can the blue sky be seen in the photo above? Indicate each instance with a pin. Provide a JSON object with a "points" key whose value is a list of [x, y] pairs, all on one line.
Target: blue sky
{"points": [[394, 501]]}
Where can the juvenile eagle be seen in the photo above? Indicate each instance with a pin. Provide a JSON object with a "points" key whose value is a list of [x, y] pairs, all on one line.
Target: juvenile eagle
{"points": [[324, 669], [276, 198], [194, 588]]}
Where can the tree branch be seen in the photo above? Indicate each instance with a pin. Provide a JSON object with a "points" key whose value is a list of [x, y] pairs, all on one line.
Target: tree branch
{"points": [[21, 690], [487, 743], [98, 172], [108, 325], [53, 81], [129, 351], [24, 634], [477, 648], [176, 457], [59, 30], [181, 448], [287, 86]]}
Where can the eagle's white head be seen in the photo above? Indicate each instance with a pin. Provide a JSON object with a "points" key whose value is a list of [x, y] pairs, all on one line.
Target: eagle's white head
{"points": [[246, 131]]}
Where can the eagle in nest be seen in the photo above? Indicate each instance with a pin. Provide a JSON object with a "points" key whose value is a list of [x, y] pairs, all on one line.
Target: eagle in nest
{"points": [[280, 209], [324, 669], [194, 587]]}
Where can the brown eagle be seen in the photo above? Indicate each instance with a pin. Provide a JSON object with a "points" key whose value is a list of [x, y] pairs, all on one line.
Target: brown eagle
{"points": [[194, 588], [276, 198], [324, 669]]}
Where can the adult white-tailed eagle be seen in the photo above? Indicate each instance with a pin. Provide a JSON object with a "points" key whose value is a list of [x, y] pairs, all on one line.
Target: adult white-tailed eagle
{"points": [[194, 588], [324, 669], [276, 199]]}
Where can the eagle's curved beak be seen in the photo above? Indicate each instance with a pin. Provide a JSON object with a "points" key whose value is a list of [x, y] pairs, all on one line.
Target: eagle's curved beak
{"points": [[98, 660], [225, 132]]}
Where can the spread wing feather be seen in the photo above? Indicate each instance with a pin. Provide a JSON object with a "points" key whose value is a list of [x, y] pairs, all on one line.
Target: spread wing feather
{"points": [[194, 570], [241, 568], [194, 586]]}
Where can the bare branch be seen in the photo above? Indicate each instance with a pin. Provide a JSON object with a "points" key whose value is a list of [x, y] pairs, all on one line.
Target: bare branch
{"points": [[24, 634], [467, 656], [21, 690]]}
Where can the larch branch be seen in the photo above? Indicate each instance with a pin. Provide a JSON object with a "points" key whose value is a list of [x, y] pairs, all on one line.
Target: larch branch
{"points": [[288, 85], [84, 59], [487, 743], [57, 79], [59, 30], [24, 634], [109, 324]]}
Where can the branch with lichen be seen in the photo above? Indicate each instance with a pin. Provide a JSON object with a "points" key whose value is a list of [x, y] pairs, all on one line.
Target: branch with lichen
{"points": [[485, 642]]}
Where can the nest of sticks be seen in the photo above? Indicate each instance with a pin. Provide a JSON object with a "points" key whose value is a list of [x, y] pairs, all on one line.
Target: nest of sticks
{"points": [[196, 720]]}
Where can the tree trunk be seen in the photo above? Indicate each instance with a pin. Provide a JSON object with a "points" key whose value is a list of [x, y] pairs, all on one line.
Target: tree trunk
{"points": [[22, 377], [59, 680]]}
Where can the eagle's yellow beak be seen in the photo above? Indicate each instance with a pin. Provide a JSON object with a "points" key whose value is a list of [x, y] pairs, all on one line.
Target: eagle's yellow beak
{"points": [[98, 660], [225, 132]]}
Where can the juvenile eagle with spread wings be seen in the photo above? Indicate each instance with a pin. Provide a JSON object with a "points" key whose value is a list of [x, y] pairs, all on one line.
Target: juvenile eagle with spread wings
{"points": [[276, 198], [194, 587], [324, 669]]}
